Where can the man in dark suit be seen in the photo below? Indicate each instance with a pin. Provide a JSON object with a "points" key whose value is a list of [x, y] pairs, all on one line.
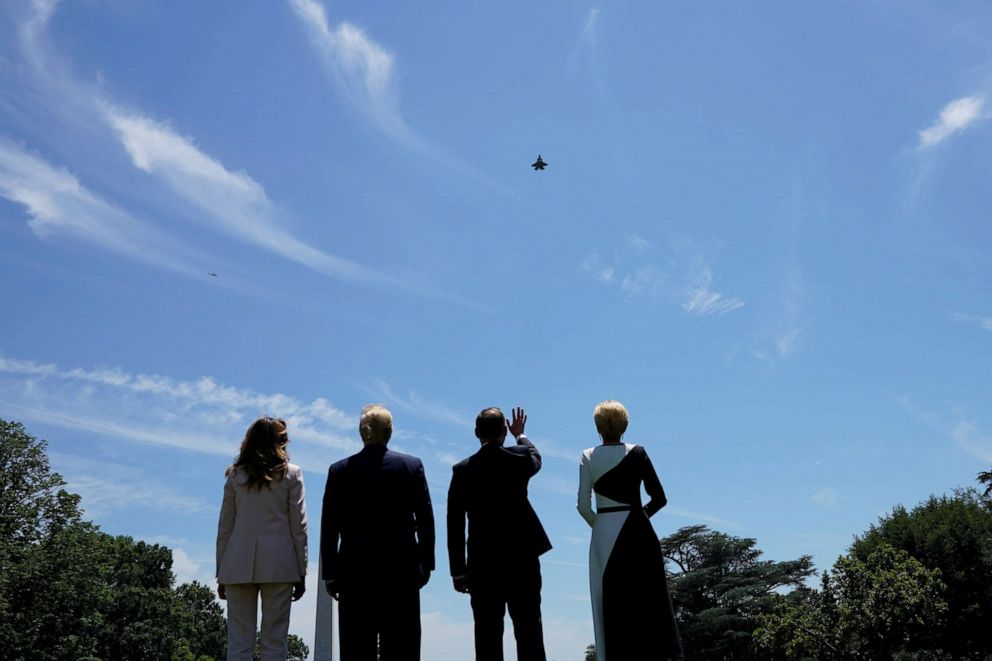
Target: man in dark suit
{"points": [[505, 537], [377, 545]]}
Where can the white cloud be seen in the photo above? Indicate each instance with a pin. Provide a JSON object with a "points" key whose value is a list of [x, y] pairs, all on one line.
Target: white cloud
{"points": [[826, 498], [222, 199], [985, 323], [648, 279], [972, 439], [966, 432], [593, 265], [672, 277], [57, 203], [235, 202], [447, 458], [363, 72], [362, 69], [712, 519], [186, 569], [636, 243], [199, 415], [702, 300], [955, 117], [416, 404], [588, 33]]}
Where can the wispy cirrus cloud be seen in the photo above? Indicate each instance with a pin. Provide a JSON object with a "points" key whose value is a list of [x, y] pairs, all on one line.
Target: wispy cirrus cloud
{"points": [[702, 300], [589, 34], [363, 72], [57, 203], [972, 438], [361, 68], [199, 415], [786, 339], [223, 199], [232, 201], [954, 118], [826, 497], [712, 519], [675, 275], [130, 487], [958, 424], [985, 323], [415, 403]]}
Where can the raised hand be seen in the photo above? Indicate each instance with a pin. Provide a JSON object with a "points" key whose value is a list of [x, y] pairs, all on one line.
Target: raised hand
{"points": [[519, 420]]}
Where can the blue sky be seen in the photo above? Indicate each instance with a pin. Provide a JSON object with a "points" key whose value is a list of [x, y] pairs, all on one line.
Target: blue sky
{"points": [[765, 229]]}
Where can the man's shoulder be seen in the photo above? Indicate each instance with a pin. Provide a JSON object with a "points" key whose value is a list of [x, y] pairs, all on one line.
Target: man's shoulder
{"points": [[405, 459]]}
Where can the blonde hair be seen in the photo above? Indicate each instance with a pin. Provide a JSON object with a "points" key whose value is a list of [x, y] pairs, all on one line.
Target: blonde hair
{"points": [[611, 419], [376, 424], [263, 455]]}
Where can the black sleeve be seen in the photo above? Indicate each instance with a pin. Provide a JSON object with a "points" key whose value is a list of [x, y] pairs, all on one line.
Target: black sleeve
{"points": [[330, 529], [535, 456], [653, 486], [456, 525], [424, 514]]}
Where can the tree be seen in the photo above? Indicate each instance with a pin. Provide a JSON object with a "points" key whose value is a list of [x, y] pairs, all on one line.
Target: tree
{"points": [[720, 586], [51, 589], [882, 607], [952, 534], [985, 478], [590, 653], [69, 591], [203, 626], [297, 649]]}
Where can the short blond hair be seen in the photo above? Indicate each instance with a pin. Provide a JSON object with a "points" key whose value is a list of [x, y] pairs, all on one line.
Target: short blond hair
{"points": [[611, 419], [376, 424]]}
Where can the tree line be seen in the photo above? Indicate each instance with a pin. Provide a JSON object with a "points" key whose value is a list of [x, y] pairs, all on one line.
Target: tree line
{"points": [[71, 591]]}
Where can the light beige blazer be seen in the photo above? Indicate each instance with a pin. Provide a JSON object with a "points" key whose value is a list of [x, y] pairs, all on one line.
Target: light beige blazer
{"points": [[262, 533]]}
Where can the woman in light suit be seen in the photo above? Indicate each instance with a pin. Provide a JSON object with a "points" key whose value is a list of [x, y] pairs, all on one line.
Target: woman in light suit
{"points": [[261, 542]]}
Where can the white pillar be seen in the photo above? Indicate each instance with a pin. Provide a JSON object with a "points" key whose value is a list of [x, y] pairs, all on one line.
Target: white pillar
{"points": [[324, 630]]}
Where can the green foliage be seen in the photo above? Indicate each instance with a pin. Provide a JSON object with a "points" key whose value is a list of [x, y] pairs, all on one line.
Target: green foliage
{"points": [[202, 621], [721, 586], [985, 478], [69, 591], [951, 534], [297, 649], [590, 653], [885, 606]]}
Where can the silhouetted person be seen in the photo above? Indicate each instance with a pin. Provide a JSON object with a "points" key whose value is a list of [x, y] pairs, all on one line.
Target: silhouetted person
{"points": [[261, 542], [377, 545], [502, 569], [632, 611]]}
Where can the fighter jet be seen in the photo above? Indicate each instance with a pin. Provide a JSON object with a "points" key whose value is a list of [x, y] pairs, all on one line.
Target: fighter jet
{"points": [[213, 275], [539, 164]]}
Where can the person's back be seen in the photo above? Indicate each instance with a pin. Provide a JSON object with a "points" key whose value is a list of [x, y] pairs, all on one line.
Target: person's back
{"points": [[501, 570], [266, 542], [261, 542], [490, 487], [377, 504], [377, 545]]}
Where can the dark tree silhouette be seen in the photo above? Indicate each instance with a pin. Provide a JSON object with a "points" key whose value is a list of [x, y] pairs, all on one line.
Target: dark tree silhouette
{"points": [[720, 585]]}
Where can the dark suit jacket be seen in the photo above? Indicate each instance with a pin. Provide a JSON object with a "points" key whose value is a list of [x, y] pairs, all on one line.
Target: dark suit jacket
{"points": [[377, 525], [490, 490]]}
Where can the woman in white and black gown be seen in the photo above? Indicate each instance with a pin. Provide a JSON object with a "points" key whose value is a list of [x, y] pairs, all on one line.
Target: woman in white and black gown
{"points": [[631, 607]]}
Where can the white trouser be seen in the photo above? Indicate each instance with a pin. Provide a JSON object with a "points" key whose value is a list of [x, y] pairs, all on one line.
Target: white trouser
{"points": [[242, 616]]}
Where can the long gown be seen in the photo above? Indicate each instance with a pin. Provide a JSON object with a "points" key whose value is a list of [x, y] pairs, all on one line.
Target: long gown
{"points": [[631, 607]]}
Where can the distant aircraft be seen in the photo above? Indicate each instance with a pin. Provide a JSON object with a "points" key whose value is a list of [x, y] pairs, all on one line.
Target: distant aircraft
{"points": [[539, 164], [212, 274]]}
